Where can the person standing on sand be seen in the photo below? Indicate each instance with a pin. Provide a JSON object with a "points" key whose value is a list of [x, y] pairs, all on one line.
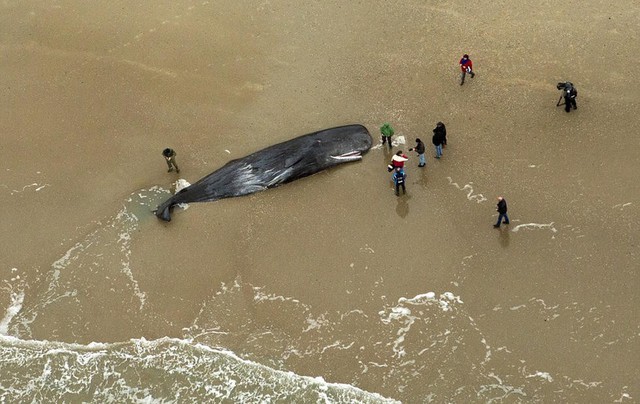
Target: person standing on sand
{"points": [[438, 141], [466, 65], [443, 132], [387, 131], [420, 149], [570, 95], [170, 158], [501, 207], [399, 178]]}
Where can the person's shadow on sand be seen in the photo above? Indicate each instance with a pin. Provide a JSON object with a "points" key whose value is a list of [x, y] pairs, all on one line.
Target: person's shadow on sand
{"points": [[402, 207], [503, 236]]}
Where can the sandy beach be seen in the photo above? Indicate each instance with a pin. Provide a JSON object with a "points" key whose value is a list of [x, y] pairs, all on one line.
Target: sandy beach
{"points": [[413, 298]]}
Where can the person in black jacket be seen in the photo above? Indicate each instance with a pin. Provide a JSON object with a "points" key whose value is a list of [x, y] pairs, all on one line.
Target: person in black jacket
{"points": [[501, 207], [420, 149], [440, 126], [570, 94], [439, 138]]}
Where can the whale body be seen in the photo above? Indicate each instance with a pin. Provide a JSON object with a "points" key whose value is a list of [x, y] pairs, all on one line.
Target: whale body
{"points": [[278, 164]]}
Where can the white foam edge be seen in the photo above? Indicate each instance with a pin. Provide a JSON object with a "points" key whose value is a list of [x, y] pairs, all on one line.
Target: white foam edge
{"points": [[56, 346], [17, 298]]}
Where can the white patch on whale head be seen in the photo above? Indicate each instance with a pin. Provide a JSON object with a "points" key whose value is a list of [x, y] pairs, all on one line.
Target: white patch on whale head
{"points": [[350, 156]]}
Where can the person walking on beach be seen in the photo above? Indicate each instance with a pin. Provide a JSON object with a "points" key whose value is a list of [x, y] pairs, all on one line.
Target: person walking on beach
{"points": [[466, 65], [438, 140], [170, 158], [399, 178], [501, 207], [420, 149], [398, 160], [387, 131]]}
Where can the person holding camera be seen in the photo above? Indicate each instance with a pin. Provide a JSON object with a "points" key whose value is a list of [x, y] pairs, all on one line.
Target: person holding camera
{"points": [[569, 93], [570, 99], [420, 149]]}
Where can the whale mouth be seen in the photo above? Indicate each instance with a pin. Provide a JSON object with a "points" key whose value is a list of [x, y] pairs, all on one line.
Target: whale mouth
{"points": [[352, 155]]}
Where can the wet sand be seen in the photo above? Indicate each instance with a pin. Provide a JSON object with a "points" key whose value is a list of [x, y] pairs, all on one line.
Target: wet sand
{"points": [[93, 94]]}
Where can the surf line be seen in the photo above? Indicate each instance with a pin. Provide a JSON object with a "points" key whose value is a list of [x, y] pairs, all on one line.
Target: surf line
{"points": [[535, 226], [479, 198]]}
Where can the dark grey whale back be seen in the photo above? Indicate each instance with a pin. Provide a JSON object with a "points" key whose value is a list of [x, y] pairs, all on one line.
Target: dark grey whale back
{"points": [[278, 164]]}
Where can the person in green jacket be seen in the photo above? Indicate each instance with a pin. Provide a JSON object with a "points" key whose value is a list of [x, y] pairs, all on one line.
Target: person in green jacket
{"points": [[387, 131]]}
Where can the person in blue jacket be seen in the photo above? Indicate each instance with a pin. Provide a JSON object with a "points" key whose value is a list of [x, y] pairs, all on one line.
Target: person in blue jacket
{"points": [[399, 178]]}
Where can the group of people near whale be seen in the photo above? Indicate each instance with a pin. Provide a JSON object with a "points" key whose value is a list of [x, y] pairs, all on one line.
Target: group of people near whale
{"points": [[396, 165], [311, 153]]}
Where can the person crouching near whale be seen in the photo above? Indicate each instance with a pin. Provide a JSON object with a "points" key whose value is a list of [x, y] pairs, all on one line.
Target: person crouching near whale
{"points": [[398, 160], [170, 158]]}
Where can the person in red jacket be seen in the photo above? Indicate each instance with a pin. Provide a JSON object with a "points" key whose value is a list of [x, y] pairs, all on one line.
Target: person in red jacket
{"points": [[466, 65], [398, 160]]}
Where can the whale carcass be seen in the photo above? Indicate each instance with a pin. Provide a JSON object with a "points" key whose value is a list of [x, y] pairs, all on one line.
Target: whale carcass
{"points": [[278, 164]]}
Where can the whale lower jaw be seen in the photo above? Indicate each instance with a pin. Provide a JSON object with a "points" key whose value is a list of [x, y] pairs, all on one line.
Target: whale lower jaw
{"points": [[351, 156]]}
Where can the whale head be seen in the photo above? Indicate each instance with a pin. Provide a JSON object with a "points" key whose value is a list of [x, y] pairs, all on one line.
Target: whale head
{"points": [[344, 144]]}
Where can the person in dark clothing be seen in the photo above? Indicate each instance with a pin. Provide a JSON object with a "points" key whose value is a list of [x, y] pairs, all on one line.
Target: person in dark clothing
{"points": [[170, 158], [386, 131], [399, 178], [441, 128], [439, 138], [501, 207], [420, 149], [570, 94]]}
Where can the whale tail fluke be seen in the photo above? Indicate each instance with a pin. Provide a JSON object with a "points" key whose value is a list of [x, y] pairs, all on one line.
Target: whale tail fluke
{"points": [[163, 212]]}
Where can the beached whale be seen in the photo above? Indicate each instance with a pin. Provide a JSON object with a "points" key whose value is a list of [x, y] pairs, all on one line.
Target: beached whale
{"points": [[275, 165]]}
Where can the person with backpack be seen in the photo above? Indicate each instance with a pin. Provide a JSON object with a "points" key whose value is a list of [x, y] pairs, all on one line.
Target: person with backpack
{"points": [[443, 132], [439, 138]]}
